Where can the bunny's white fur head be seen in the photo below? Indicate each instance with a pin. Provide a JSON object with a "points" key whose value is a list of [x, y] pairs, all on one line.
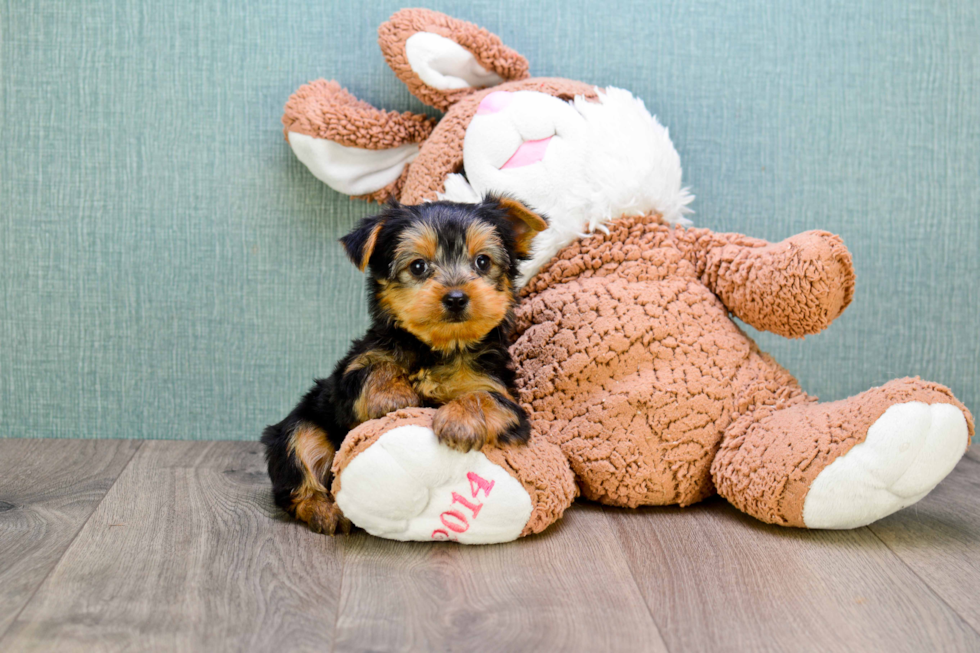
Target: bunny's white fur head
{"points": [[581, 163], [579, 154]]}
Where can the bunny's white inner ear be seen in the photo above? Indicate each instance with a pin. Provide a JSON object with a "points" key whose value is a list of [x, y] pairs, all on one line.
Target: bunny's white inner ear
{"points": [[445, 65], [351, 170]]}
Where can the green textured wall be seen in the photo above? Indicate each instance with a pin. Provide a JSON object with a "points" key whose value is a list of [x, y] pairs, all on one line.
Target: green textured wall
{"points": [[169, 270]]}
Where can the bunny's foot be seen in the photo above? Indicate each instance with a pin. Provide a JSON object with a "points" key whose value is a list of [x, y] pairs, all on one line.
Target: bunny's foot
{"points": [[395, 480], [846, 463], [907, 452]]}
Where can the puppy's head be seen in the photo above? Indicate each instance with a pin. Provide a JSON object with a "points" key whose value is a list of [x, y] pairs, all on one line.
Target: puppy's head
{"points": [[444, 271]]}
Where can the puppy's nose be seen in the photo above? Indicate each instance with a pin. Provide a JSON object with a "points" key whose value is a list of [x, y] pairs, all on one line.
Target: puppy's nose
{"points": [[455, 300]]}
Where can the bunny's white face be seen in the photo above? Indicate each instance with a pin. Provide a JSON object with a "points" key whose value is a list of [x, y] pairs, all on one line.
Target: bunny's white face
{"points": [[581, 163]]}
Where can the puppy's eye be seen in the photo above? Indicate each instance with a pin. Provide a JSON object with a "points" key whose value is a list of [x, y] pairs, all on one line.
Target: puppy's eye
{"points": [[418, 267], [482, 262]]}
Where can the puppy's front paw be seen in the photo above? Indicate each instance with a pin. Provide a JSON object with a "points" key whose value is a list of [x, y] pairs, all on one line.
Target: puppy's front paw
{"points": [[460, 426], [323, 516]]}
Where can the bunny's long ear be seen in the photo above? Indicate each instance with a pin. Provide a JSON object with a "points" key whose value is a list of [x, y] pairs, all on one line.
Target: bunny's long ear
{"points": [[353, 147], [442, 59]]}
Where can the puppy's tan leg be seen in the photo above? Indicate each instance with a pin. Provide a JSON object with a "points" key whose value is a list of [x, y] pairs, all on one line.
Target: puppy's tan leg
{"points": [[311, 500], [385, 390]]}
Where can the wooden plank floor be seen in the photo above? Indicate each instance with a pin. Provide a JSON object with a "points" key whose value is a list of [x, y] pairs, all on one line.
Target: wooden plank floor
{"points": [[121, 545]]}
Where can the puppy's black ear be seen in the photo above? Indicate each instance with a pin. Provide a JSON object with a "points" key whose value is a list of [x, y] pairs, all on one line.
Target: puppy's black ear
{"points": [[359, 244], [526, 223]]}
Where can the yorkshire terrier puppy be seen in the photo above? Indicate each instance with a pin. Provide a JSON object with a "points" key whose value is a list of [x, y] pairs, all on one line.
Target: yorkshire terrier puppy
{"points": [[441, 292]]}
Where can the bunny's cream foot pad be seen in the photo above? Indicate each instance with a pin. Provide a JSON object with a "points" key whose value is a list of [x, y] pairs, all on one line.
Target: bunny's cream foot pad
{"points": [[407, 486], [907, 452]]}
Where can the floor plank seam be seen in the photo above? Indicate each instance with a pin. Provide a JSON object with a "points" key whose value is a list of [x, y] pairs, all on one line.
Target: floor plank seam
{"points": [[340, 594], [81, 527], [922, 580], [636, 584]]}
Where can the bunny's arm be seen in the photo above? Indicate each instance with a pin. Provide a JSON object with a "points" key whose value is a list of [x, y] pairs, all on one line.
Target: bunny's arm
{"points": [[793, 288]]}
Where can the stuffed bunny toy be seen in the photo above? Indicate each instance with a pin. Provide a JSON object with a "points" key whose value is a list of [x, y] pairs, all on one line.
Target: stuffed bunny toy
{"points": [[641, 388]]}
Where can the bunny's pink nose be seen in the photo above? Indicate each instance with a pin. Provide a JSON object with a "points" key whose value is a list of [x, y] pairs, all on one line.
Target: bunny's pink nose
{"points": [[494, 102]]}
